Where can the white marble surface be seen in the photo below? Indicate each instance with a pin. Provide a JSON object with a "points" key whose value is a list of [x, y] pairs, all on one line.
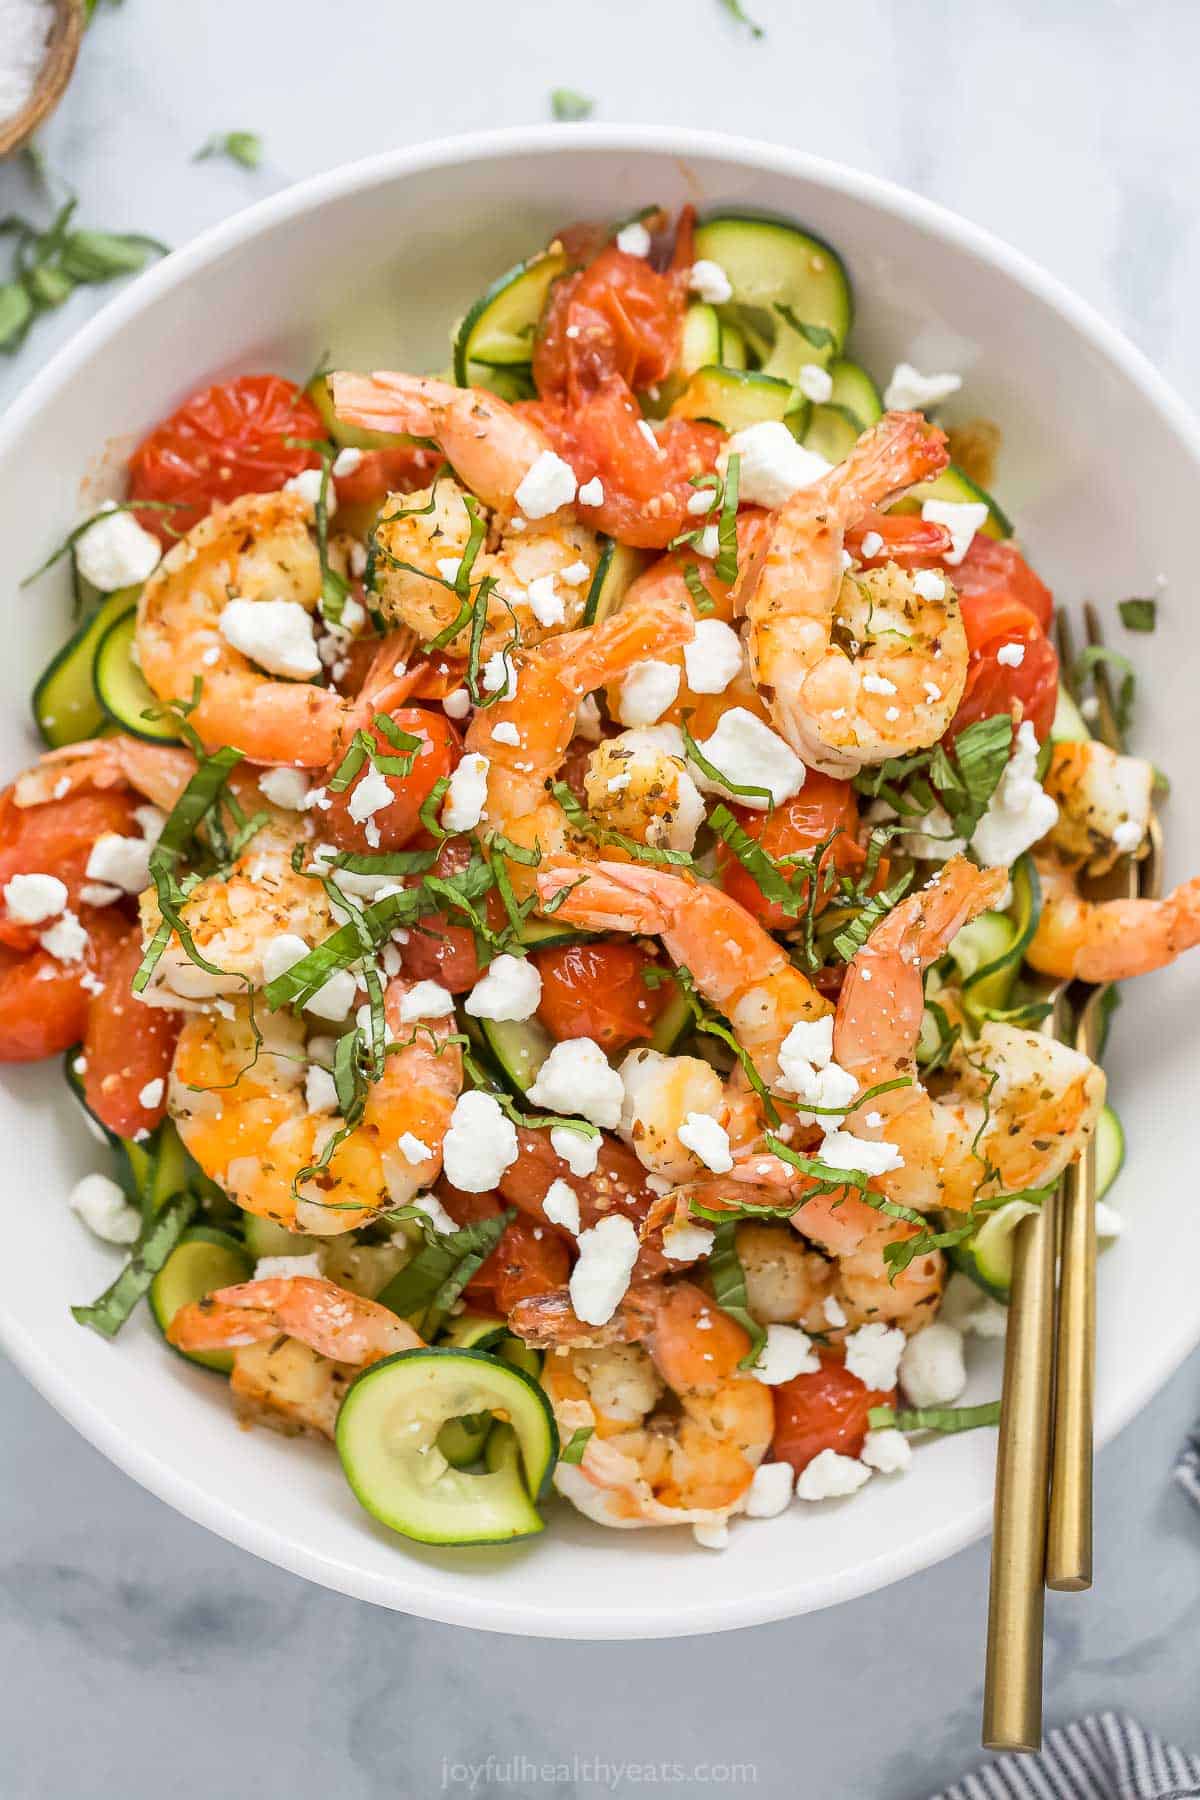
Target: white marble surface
{"points": [[138, 1654]]}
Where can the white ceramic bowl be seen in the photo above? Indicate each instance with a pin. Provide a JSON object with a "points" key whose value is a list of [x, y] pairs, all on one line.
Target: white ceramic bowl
{"points": [[1100, 468]]}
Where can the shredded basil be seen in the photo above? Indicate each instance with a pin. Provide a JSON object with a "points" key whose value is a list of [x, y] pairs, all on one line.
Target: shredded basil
{"points": [[725, 566], [567, 104], [46, 266], [572, 1451], [963, 778], [581, 820], [696, 588], [737, 11], [817, 335], [197, 803], [427, 1287], [1098, 660], [728, 1279], [850, 941], [1138, 615], [744, 790], [158, 1237], [934, 1418], [244, 147]]}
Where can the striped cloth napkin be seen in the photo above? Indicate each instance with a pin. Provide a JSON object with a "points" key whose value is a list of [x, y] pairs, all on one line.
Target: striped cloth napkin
{"points": [[1107, 1756]]}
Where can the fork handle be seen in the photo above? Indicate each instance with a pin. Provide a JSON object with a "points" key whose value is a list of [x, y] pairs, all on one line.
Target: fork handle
{"points": [[1069, 1538]]}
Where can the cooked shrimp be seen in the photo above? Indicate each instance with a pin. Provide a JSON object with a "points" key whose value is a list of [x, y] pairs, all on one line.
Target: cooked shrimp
{"points": [[738, 967], [298, 1341], [159, 772], [259, 548], [688, 1462], [856, 1235], [855, 668], [1109, 940], [786, 1283], [240, 1110], [638, 783], [233, 919], [550, 682], [542, 572], [1103, 803]]}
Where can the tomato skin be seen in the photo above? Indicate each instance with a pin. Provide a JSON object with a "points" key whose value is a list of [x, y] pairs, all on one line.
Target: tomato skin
{"points": [[438, 949], [803, 821], [127, 1045], [826, 1410], [646, 489], [56, 839], [384, 472], [994, 568], [908, 540], [597, 991], [43, 1009], [617, 1185], [530, 1259], [224, 440], [400, 820], [625, 319], [993, 620]]}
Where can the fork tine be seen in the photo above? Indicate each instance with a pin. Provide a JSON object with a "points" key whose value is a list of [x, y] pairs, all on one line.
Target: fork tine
{"points": [[1065, 639], [1106, 720]]}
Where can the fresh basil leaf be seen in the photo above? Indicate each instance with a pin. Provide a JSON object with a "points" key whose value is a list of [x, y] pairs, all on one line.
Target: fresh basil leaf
{"points": [[16, 315], [728, 1279], [934, 1418], [566, 104], [1138, 615], [427, 1287], [738, 13], [158, 1237], [572, 1451], [817, 335], [244, 147]]}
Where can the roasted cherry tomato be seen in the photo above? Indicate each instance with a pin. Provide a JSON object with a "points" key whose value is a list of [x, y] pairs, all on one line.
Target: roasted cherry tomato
{"points": [[127, 1046], [996, 622], [530, 1258], [821, 806], [399, 819], [992, 568], [226, 440], [617, 1185], [55, 839], [826, 1410], [439, 949], [44, 1005], [647, 484], [624, 318], [597, 991], [904, 538]]}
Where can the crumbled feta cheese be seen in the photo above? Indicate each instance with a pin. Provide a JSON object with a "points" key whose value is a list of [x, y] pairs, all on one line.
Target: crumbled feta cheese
{"points": [[150, 821], [466, 795], [448, 567], [830, 1090], [772, 465], [592, 492], [1127, 836], [634, 239], [66, 940], [1109, 1224], [511, 989], [116, 552], [709, 1141], [810, 1041], [787, 1352], [287, 788], [931, 837], [120, 862], [887, 1450], [1020, 812], [425, 1000], [413, 1149], [457, 705], [320, 1093], [910, 391], [576, 1077], [276, 634], [576, 573], [479, 1145], [581, 1154], [830, 1476], [713, 657], [702, 501], [369, 795], [1010, 656], [334, 998], [280, 953], [499, 675], [151, 1095], [545, 601], [600, 1278], [749, 753], [841, 1150], [714, 1536], [308, 484], [588, 723], [102, 1206], [647, 691], [709, 543], [560, 1204], [546, 485], [873, 1353], [872, 544], [687, 1243], [877, 684], [962, 520], [435, 1212], [286, 1268], [834, 1311], [31, 899], [989, 1319], [1089, 706], [929, 584], [346, 461], [815, 383], [709, 282], [932, 1372], [647, 431], [770, 1491]]}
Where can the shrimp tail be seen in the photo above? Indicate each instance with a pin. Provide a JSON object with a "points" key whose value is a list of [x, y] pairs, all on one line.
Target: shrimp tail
{"points": [[387, 401], [901, 451], [645, 627], [607, 896]]}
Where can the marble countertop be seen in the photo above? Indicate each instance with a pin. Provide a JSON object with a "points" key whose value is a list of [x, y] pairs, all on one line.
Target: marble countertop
{"points": [[141, 1655]]}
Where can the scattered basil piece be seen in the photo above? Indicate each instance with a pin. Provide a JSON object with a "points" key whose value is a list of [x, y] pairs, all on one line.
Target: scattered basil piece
{"points": [[737, 12], [728, 1279], [244, 147], [934, 1418], [572, 1451], [566, 104], [158, 1237], [427, 1287], [1138, 615]]}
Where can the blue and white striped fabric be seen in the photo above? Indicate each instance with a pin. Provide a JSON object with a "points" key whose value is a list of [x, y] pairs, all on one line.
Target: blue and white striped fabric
{"points": [[1187, 1468], [1107, 1756]]}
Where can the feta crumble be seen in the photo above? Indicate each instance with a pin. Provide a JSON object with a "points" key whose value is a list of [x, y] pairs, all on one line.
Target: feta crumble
{"points": [[872, 544], [346, 461], [1010, 656], [1020, 812], [431, 1207], [750, 754], [560, 1204], [285, 1268], [67, 940], [287, 788], [772, 465], [634, 239], [479, 1145], [770, 1491], [334, 998], [576, 1077], [320, 1092], [929, 584], [275, 634], [713, 658], [874, 1353], [910, 391], [887, 1450], [709, 282], [786, 1353], [101, 1204], [32, 899], [647, 691], [308, 485], [962, 520], [592, 492], [545, 601], [466, 795], [457, 705], [708, 1140], [116, 551], [842, 1150], [713, 1536], [835, 1313], [413, 1149], [830, 1476], [548, 484], [877, 684], [815, 383], [511, 989], [687, 1243], [581, 1154], [151, 1095], [600, 1278], [425, 1000], [932, 1371]]}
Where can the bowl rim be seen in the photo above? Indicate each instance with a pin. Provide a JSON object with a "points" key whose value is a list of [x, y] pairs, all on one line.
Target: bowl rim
{"points": [[474, 1606]]}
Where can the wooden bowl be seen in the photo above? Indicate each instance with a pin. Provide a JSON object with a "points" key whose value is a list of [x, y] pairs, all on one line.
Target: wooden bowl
{"points": [[62, 47]]}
